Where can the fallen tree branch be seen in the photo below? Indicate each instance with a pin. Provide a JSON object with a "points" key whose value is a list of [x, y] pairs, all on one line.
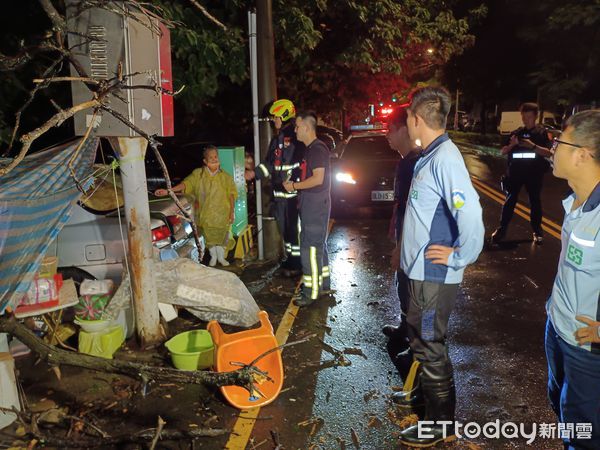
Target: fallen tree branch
{"points": [[158, 434], [59, 79], [57, 119], [208, 15], [58, 21], [154, 144], [56, 356]]}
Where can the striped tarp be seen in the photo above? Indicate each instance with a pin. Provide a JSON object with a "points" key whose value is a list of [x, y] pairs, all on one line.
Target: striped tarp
{"points": [[35, 202]]}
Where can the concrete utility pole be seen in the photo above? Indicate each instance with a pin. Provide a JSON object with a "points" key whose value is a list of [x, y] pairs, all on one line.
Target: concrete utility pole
{"points": [[267, 91], [135, 192], [267, 84], [456, 110]]}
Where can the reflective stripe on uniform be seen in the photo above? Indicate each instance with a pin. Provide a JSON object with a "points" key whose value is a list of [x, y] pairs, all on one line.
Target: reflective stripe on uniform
{"points": [[307, 281], [279, 194], [325, 272], [264, 169], [314, 273], [286, 167], [526, 155]]}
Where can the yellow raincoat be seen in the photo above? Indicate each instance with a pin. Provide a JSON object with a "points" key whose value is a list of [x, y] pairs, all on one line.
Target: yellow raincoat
{"points": [[213, 202]]}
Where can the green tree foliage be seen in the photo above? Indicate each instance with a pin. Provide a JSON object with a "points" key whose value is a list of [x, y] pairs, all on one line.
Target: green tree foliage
{"points": [[330, 54], [334, 54]]}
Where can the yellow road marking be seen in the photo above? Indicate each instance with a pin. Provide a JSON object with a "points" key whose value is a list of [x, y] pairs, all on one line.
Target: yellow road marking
{"points": [[242, 429], [493, 191], [547, 225]]}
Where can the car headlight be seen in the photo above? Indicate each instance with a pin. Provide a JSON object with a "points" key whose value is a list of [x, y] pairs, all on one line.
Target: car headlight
{"points": [[344, 177]]}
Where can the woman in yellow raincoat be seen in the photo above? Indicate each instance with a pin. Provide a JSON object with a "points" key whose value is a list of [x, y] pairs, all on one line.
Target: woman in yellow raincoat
{"points": [[215, 193]]}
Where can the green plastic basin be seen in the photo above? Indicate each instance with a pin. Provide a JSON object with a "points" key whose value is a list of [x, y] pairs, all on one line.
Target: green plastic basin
{"points": [[191, 350]]}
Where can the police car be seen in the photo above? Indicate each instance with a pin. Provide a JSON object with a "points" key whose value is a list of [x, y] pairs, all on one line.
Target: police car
{"points": [[363, 175]]}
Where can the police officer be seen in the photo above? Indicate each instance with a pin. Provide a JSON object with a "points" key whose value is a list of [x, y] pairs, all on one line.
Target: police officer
{"points": [[282, 164], [527, 149], [315, 208]]}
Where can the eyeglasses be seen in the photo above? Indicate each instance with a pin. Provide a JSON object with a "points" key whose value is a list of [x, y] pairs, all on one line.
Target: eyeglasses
{"points": [[556, 142]]}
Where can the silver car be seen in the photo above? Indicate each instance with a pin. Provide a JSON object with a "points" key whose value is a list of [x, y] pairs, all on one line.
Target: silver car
{"points": [[93, 243]]}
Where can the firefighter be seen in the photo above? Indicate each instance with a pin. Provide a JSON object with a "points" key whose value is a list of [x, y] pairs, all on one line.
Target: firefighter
{"points": [[527, 151], [282, 164], [315, 208]]}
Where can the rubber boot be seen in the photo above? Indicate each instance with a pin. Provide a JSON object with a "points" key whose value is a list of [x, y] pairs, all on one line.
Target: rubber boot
{"points": [[410, 399], [213, 256], [437, 383], [221, 256]]}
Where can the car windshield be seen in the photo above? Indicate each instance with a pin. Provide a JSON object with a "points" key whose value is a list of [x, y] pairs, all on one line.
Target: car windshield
{"points": [[369, 148]]}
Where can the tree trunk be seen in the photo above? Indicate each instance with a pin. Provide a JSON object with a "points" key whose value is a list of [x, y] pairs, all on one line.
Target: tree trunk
{"points": [[57, 357]]}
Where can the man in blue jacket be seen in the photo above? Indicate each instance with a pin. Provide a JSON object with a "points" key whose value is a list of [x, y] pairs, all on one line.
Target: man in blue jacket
{"points": [[443, 233], [573, 327]]}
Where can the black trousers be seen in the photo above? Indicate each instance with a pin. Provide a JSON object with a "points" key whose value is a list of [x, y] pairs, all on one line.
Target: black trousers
{"points": [[286, 214], [401, 337], [428, 313], [533, 183], [314, 222]]}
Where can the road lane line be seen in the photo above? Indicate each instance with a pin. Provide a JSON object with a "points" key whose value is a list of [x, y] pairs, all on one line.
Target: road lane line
{"points": [[526, 210], [242, 429], [494, 196]]}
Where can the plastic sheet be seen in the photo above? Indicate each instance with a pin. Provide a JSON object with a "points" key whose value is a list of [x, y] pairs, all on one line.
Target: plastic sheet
{"points": [[209, 294]]}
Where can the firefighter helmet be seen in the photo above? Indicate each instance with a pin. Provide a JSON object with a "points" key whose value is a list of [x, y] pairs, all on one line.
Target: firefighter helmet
{"points": [[284, 109]]}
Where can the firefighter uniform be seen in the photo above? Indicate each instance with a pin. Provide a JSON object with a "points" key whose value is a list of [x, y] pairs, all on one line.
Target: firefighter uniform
{"points": [[315, 208], [525, 168], [281, 164]]}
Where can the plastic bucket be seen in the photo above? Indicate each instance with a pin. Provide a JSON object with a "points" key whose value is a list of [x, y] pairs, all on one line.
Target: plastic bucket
{"points": [[191, 350]]}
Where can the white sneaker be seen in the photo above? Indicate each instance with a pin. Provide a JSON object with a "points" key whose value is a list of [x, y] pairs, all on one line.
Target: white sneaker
{"points": [[213, 256], [221, 256]]}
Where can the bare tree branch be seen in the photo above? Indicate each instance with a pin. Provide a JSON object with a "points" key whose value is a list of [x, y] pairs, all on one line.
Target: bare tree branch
{"points": [[208, 15], [57, 20], [59, 79], [56, 120]]}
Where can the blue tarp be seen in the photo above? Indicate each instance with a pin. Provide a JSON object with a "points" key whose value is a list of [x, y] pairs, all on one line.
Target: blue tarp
{"points": [[36, 198]]}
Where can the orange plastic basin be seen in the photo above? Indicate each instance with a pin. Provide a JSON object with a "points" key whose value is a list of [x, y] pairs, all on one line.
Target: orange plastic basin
{"points": [[244, 347]]}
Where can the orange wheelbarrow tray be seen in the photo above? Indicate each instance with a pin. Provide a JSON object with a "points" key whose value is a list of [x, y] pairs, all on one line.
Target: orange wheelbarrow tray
{"points": [[244, 347]]}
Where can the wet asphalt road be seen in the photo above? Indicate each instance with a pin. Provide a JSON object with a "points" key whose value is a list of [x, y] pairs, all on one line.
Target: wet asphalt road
{"points": [[495, 336]]}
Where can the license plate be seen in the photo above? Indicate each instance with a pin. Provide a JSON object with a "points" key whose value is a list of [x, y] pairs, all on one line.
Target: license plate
{"points": [[382, 196]]}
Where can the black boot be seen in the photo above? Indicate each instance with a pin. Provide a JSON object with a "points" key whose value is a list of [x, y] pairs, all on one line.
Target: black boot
{"points": [[410, 399], [437, 384], [390, 330], [498, 235]]}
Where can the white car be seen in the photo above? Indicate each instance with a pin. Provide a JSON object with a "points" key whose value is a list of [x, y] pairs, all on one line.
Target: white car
{"points": [[93, 245]]}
